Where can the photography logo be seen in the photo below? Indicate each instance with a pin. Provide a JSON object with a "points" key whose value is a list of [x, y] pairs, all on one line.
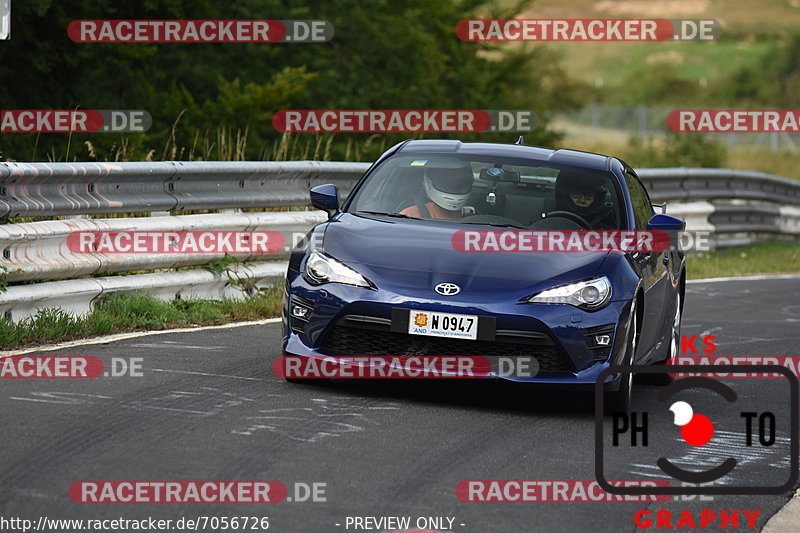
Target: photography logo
{"points": [[5, 19], [715, 437]]}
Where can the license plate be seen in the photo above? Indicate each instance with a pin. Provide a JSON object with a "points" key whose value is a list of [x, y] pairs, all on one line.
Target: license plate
{"points": [[435, 324]]}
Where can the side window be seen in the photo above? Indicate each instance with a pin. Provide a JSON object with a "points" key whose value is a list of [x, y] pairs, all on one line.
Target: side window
{"points": [[642, 210]]}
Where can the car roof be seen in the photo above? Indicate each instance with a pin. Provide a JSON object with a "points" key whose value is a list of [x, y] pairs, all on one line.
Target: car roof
{"points": [[562, 156]]}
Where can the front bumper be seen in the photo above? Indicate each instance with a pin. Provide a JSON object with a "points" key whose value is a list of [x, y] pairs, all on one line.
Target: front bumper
{"points": [[353, 321]]}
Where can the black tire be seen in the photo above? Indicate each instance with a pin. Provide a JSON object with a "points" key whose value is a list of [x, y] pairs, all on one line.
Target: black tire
{"points": [[675, 340], [674, 348], [619, 401]]}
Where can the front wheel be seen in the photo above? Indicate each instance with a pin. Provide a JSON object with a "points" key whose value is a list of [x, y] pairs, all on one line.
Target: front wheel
{"points": [[675, 341], [674, 347], [619, 401]]}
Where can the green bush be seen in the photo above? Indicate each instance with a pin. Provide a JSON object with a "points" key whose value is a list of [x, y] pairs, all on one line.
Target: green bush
{"points": [[677, 150], [216, 101]]}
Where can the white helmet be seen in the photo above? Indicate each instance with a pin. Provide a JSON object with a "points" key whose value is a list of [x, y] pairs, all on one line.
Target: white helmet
{"points": [[449, 187]]}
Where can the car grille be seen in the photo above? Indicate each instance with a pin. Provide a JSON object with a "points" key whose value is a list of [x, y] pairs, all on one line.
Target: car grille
{"points": [[344, 340]]}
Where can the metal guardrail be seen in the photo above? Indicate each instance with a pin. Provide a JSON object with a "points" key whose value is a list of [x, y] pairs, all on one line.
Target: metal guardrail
{"points": [[39, 249], [735, 218], [51, 189], [689, 184], [738, 224], [77, 296]]}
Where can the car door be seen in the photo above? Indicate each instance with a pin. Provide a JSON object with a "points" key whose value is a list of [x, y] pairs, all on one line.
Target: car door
{"points": [[652, 268]]}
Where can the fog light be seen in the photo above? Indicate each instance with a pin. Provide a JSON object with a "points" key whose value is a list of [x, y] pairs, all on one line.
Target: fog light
{"points": [[602, 340], [298, 311]]}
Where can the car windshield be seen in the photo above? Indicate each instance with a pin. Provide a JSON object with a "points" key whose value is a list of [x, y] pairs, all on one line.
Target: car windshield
{"points": [[490, 190]]}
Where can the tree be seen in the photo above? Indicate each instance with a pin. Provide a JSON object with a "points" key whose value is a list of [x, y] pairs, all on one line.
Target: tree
{"points": [[384, 55]]}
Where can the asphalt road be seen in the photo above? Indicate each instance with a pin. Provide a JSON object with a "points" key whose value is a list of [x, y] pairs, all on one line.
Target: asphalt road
{"points": [[208, 407]]}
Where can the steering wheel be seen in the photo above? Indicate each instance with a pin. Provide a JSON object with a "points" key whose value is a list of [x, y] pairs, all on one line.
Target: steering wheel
{"points": [[574, 217]]}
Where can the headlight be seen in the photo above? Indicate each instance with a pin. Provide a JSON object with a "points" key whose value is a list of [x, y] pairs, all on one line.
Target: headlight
{"points": [[590, 294], [321, 268]]}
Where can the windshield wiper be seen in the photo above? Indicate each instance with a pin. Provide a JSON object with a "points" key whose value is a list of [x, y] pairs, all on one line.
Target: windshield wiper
{"points": [[396, 215], [496, 225], [401, 215]]}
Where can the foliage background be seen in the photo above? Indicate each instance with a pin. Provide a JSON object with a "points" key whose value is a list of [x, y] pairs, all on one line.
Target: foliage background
{"points": [[216, 101], [221, 97]]}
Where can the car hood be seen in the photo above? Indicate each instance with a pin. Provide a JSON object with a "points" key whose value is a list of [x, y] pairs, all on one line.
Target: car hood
{"points": [[383, 245]]}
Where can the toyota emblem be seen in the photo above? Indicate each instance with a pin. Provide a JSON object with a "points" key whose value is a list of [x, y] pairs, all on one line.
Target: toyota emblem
{"points": [[447, 289]]}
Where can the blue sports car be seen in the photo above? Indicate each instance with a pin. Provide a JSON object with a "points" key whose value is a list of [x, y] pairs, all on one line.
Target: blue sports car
{"points": [[388, 274]]}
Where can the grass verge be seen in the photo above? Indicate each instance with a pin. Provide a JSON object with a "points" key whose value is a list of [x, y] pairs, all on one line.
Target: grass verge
{"points": [[135, 312], [770, 257]]}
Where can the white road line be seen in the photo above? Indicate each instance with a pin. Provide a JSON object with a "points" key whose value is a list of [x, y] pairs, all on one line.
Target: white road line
{"points": [[202, 374], [133, 335], [744, 278]]}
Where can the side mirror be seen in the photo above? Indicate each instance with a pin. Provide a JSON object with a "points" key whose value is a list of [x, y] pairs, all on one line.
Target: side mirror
{"points": [[325, 197], [665, 223]]}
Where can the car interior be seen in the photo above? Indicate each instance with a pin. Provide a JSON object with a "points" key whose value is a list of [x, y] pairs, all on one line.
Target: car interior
{"points": [[501, 194]]}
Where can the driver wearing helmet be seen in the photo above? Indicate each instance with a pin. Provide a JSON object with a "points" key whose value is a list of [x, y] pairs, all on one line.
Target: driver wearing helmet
{"points": [[447, 190], [584, 195]]}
